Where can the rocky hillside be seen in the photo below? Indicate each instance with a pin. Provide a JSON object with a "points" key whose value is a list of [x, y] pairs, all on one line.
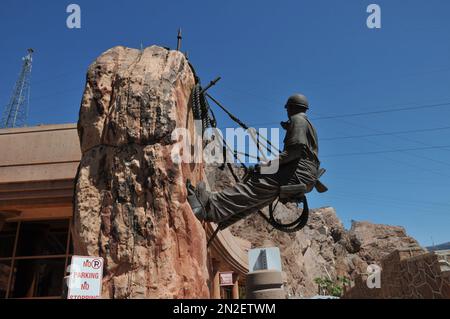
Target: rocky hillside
{"points": [[322, 249]]}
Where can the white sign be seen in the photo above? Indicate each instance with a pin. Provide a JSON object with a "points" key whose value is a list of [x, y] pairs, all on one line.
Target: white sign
{"points": [[85, 280], [264, 258], [226, 278]]}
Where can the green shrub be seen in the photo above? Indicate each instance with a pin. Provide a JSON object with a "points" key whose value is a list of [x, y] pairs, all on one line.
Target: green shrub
{"points": [[331, 288]]}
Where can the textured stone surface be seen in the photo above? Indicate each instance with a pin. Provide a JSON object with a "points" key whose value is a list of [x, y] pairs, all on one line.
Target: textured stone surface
{"points": [[406, 274], [377, 241], [130, 199]]}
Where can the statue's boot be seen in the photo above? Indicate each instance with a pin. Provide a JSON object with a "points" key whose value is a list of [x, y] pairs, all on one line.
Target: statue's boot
{"points": [[198, 199]]}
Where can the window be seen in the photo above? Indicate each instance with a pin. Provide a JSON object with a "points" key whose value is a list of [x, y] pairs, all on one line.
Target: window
{"points": [[7, 237], [226, 292], [33, 258]]}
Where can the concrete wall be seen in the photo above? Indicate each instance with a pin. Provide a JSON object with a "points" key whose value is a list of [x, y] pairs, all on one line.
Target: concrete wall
{"points": [[41, 153], [406, 274]]}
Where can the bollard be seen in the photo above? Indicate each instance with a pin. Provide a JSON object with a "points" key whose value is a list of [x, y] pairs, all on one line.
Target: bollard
{"points": [[265, 284]]}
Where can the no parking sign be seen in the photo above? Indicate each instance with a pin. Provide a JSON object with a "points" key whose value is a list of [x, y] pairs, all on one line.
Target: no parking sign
{"points": [[85, 280]]}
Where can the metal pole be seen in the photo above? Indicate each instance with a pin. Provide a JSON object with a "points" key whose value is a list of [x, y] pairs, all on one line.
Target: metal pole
{"points": [[212, 83], [179, 38]]}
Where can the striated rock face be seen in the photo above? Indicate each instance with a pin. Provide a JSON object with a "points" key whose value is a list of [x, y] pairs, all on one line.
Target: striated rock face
{"points": [[377, 241], [130, 198]]}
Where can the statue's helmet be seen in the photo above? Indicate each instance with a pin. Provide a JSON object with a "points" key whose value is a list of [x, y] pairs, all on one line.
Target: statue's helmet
{"points": [[298, 100]]}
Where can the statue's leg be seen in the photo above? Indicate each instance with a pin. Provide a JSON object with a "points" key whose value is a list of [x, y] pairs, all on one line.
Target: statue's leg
{"points": [[255, 194]]}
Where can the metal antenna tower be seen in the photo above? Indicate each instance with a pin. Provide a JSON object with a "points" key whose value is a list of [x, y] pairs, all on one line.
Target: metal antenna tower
{"points": [[16, 112], [179, 38]]}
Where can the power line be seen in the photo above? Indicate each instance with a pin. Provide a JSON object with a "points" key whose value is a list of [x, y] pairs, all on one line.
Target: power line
{"points": [[377, 203], [403, 163], [402, 138], [413, 155], [393, 199], [385, 133], [394, 134], [409, 164], [389, 151], [384, 111], [339, 182]]}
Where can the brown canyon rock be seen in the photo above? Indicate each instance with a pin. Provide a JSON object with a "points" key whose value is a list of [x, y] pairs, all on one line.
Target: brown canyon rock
{"points": [[130, 198], [377, 241]]}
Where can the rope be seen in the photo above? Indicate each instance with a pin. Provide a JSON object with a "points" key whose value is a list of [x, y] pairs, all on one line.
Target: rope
{"points": [[293, 227], [242, 124], [202, 111], [201, 108]]}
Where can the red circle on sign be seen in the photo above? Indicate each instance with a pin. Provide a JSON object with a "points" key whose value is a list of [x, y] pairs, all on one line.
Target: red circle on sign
{"points": [[96, 263]]}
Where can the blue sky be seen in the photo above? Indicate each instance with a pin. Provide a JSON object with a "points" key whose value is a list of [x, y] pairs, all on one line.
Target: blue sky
{"points": [[265, 51]]}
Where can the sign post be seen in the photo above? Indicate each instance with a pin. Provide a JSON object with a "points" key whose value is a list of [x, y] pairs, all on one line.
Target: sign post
{"points": [[85, 280]]}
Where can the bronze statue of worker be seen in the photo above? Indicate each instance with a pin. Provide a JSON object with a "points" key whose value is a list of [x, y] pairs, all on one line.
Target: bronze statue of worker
{"points": [[297, 164]]}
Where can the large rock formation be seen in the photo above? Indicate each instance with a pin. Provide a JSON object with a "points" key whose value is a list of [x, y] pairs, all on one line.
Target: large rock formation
{"points": [[130, 198], [377, 241]]}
